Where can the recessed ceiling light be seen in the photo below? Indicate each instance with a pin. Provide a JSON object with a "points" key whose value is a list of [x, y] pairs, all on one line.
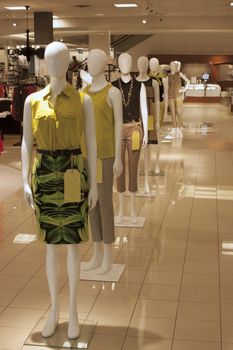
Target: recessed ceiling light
{"points": [[55, 17], [144, 21], [126, 5], [14, 24], [231, 4], [99, 14], [15, 8]]}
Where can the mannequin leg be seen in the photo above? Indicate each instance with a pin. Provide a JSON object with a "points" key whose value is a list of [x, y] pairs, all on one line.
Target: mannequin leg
{"points": [[146, 167], [73, 269], [96, 258], [173, 113], [121, 207], [179, 116], [52, 269], [107, 261], [157, 154], [133, 213]]}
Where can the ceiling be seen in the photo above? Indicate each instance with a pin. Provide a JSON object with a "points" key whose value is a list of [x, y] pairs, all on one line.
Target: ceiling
{"points": [[78, 18]]}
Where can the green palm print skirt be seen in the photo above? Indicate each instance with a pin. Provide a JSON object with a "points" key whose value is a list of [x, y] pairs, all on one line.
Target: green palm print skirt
{"points": [[59, 222]]}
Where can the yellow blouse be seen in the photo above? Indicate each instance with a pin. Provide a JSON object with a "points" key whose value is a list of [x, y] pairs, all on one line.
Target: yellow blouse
{"points": [[61, 126], [104, 122]]}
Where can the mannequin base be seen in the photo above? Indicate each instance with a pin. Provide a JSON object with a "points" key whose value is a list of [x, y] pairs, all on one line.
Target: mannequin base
{"points": [[60, 339], [127, 221], [112, 276], [150, 194]]}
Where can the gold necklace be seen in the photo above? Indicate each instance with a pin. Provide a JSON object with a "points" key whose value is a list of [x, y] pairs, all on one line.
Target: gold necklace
{"points": [[126, 103]]}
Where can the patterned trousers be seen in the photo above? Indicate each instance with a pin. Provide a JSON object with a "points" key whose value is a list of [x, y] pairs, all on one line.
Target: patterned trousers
{"points": [[102, 216]]}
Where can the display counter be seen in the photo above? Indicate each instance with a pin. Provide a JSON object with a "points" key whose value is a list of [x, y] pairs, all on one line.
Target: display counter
{"points": [[202, 93]]}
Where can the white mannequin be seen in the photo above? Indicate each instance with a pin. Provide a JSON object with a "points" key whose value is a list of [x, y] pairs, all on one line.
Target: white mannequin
{"points": [[182, 75], [175, 109], [125, 65], [57, 61], [155, 68], [96, 61], [143, 64]]}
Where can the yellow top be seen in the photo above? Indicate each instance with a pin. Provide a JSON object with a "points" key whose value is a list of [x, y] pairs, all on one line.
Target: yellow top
{"points": [[61, 126], [104, 122]]}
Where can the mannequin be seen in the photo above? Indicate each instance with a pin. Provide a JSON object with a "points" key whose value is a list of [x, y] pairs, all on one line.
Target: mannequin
{"points": [[152, 90], [175, 100], [108, 115], [58, 141], [134, 101], [187, 82]]}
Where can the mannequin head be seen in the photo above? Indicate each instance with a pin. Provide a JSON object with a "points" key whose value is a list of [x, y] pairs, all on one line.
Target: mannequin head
{"points": [[57, 59], [96, 62], [125, 61], [173, 67], [154, 64], [178, 66], [143, 64]]}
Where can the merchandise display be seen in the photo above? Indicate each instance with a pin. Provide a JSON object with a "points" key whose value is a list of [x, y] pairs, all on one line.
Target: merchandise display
{"points": [[108, 122], [134, 133], [59, 188], [202, 90]]}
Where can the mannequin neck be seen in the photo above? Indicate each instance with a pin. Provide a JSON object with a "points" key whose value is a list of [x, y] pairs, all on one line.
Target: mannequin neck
{"points": [[98, 83], [126, 77], [57, 85], [143, 77], [156, 71]]}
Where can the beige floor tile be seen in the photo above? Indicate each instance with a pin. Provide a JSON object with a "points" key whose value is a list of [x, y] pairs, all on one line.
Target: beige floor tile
{"points": [[162, 277], [15, 269], [165, 265], [226, 281], [200, 280], [197, 330], [120, 290], [85, 303], [12, 282], [227, 295], [100, 342], [133, 263], [40, 285], [84, 288], [13, 338], [110, 324], [195, 345], [227, 346], [199, 294], [227, 332], [155, 308], [227, 312], [151, 327], [20, 318], [135, 252], [132, 276], [133, 343], [160, 292], [114, 306], [198, 311], [29, 300], [201, 267]]}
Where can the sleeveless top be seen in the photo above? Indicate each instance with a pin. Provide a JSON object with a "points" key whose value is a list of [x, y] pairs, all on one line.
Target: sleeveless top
{"points": [[104, 122], [149, 95], [131, 113], [159, 78], [57, 127], [174, 85]]}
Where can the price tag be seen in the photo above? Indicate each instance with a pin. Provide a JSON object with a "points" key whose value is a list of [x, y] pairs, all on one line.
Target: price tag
{"points": [[72, 188], [135, 141]]}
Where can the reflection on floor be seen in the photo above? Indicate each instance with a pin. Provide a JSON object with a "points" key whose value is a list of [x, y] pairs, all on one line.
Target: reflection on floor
{"points": [[176, 292]]}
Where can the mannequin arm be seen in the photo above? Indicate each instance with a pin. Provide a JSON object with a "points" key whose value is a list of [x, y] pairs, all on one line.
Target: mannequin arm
{"points": [[165, 87], [26, 151], [115, 99], [144, 113], [90, 137], [157, 104], [183, 76]]}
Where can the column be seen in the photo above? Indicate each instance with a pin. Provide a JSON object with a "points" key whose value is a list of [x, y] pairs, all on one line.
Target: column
{"points": [[100, 41]]}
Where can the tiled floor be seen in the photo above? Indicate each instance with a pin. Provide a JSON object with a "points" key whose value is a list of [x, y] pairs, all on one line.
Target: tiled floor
{"points": [[177, 289]]}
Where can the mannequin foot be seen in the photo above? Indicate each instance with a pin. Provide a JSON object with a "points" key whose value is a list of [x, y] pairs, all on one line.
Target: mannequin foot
{"points": [[146, 188], [134, 219], [73, 328], [96, 259], [179, 133], [174, 132], [119, 219], [105, 268], [107, 263], [51, 324]]}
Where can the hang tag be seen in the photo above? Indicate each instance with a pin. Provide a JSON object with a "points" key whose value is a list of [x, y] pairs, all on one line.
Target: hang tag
{"points": [[72, 188], [99, 171], [135, 141], [150, 122]]}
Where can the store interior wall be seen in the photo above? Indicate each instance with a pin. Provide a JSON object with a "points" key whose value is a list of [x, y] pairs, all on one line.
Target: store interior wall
{"points": [[193, 43]]}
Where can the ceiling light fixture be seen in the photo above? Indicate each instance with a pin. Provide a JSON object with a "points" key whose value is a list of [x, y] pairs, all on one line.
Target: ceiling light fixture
{"points": [[14, 24], [99, 14], [15, 8], [144, 21], [55, 17], [231, 4], [126, 5]]}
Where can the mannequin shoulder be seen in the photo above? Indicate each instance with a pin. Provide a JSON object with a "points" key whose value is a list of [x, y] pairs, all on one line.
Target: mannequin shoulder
{"points": [[114, 93]]}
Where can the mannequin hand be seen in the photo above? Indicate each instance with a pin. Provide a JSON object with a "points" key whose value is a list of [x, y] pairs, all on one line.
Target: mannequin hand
{"points": [[117, 167], [144, 141], [92, 196], [28, 195]]}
